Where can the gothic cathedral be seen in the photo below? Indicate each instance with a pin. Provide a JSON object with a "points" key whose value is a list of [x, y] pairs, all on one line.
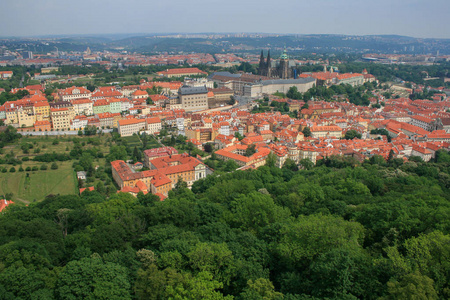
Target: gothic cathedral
{"points": [[281, 70]]}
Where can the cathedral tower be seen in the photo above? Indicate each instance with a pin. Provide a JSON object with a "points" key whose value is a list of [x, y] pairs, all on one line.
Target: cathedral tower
{"points": [[284, 65], [268, 66], [262, 65]]}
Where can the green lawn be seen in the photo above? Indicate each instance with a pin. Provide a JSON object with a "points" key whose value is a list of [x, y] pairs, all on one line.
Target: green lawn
{"points": [[84, 80], [133, 141], [40, 183], [45, 144], [152, 143]]}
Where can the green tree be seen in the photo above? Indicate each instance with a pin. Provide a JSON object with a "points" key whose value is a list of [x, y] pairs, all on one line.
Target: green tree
{"points": [[208, 148], [260, 288], [90, 130], [116, 206], [214, 258], [255, 211], [290, 165], [306, 163], [136, 154], [306, 132], [412, 286], [351, 134], [293, 93], [91, 278], [251, 149], [271, 160], [309, 236]]}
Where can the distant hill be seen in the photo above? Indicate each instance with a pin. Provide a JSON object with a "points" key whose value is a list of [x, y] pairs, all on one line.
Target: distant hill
{"points": [[214, 43]]}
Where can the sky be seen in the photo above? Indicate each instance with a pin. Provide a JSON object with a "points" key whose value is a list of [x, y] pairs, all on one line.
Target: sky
{"points": [[415, 18]]}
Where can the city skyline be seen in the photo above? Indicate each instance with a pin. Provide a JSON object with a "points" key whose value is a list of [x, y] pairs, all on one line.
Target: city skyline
{"points": [[420, 19]]}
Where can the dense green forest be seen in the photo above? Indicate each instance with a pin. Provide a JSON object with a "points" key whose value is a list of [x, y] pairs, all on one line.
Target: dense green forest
{"points": [[340, 230]]}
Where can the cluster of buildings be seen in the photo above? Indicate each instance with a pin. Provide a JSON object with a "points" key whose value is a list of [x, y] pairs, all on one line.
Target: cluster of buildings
{"points": [[256, 86], [125, 108], [411, 59], [233, 132], [165, 168], [400, 127], [120, 59], [335, 78]]}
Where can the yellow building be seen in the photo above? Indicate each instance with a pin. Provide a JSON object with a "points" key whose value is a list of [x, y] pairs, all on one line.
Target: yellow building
{"points": [[129, 126], [61, 118], [25, 119], [49, 70], [11, 116], [116, 118], [181, 72], [193, 98], [42, 108], [201, 134], [326, 131]]}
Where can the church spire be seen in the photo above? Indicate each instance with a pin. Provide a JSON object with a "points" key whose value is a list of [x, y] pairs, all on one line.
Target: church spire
{"points": [[262, 64], [268, 65]]}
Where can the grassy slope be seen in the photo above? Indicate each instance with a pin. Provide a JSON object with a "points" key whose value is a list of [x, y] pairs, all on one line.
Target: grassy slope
{"points": [[40, 183]]}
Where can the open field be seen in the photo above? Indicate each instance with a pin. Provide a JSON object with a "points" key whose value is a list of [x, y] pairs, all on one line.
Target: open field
{"points": [[46, 144], [42, 183], [134, 140], [39, 183]]}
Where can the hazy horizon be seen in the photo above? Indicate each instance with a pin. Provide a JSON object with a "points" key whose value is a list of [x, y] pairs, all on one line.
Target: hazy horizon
{"points": [[137, 34], [415, 18]]}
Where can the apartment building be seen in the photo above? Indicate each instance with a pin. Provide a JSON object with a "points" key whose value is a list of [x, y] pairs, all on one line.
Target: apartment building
{"points": [[193, 98], [42, 108], [154, 153], [326, 131], [100, 106], [79, 123], [129, 126], [61, 118], [6, 74], [115, 105], [423, 122], [106, 120], [153, 125], [44, 125], [83, 107], [25, 119], [73, 93]]}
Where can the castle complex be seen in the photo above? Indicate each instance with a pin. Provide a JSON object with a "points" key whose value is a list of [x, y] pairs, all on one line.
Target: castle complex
{"points": [[281, 70]]}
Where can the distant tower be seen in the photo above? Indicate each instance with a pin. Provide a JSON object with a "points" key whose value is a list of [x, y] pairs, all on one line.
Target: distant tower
{"points": [[88, 51], [262, 65], [284, 65], [268, 66]]}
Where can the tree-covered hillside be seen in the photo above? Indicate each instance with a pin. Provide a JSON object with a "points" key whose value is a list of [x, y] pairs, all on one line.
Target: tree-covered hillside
{"points": [[341, 230]]}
